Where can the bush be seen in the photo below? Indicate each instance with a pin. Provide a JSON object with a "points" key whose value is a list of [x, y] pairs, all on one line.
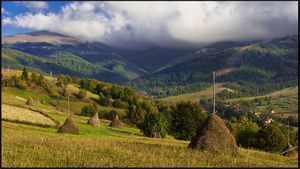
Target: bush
{"points": [[154, 123], [88, 110], [245, 132], [81, 94], [270, 138], [187, 119], [21, 84], [119, 104]]}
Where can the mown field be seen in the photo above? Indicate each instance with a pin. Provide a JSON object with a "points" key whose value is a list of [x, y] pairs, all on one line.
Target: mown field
{"points": [[195, 97], [284, 101], [34, 146]]}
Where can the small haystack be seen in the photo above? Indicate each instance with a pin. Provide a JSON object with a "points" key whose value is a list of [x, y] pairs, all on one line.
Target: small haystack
{"points": [[214, 136], [116, 122], [30, 101], [94, 121], [69, 127], [289, 151]]}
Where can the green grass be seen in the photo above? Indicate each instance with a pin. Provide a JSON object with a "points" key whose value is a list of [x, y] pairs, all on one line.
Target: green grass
{"points": [[194, 97], [283, 101], [32, 146]]}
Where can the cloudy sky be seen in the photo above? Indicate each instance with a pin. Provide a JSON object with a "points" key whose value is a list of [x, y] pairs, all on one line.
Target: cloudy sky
{"points": [[144, 24]]}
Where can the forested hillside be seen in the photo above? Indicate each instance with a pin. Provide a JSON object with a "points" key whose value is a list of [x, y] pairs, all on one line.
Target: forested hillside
{"points": [[254, 69]]}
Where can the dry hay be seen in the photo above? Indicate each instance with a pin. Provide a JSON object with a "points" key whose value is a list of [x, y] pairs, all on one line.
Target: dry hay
{"points": [[291, 153], [69, 127], [214, 137], [94, 121], [30, 101], [116, 122], [27, 116]]}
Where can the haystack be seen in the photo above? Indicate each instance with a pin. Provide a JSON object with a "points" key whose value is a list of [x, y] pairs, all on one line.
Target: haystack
{"points": [[69, 127], [214, 137], [30, 101], [289, 151], [116, 122], [94, 121]]}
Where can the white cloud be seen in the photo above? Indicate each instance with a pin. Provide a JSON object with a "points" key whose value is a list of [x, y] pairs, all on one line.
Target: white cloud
{"points": [[172, 24], [38, 5], [4, 11]]}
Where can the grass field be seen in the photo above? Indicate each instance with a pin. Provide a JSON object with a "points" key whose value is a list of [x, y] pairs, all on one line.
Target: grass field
{"points": [[284, 101], [23, 115], [195, 97], [32, 146], [25, 145]]}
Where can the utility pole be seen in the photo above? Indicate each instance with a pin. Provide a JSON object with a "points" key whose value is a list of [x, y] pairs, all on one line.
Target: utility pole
{"points": [[214, 94], [7, 68]]}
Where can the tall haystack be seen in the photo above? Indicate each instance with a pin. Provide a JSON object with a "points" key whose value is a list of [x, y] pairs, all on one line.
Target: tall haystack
{"points": [[30, 101], [116, 122], [94, 121], [69, 127], [289, 151], [214, 137]]}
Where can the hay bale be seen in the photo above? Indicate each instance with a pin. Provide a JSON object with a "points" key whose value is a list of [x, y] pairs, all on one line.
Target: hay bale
{"points": [[69, 127], [30, 101], [116, 122], [291, 153], [214, 137], [94, 121]]}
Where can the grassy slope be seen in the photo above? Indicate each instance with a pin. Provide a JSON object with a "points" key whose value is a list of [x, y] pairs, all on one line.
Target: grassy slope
{"points": [[28, 146], [33, 146], [195, 97], [283, 101]]}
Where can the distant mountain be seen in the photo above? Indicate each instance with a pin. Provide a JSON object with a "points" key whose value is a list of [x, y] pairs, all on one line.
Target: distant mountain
{"points": [[40, 37], [268, 64], [155, 58], [49, 45], [260, 66]]}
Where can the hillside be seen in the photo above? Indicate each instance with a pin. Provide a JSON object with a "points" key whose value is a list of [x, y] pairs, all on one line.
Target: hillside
{"points": [[264, 65], [283, 101], [195, 97], [26, 126], [72, 56]]}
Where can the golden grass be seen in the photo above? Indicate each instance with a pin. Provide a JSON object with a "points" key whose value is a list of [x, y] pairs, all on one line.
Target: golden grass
{"points": [[74, 89], [195, 97], [23, 115], [39, 147]]}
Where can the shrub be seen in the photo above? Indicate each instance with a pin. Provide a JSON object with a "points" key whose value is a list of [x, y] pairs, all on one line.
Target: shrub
{"points": [[88, 110], [270, 138], [81, 94], [154, 123], [187, 119], [119, 104], [245, 132], [21, 84]]}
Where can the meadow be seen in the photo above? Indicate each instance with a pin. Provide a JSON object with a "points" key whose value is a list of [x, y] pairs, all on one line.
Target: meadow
{"points": [[30, 145]]}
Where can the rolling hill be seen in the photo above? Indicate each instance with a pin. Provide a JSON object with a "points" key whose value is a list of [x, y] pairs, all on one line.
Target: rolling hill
{"points": [[72, 56], [264, 66]]}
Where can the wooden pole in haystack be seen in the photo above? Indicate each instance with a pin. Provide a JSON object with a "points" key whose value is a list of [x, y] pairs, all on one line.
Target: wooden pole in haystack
{"points": [[214, 94], [288, 131], [69, 105]]}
